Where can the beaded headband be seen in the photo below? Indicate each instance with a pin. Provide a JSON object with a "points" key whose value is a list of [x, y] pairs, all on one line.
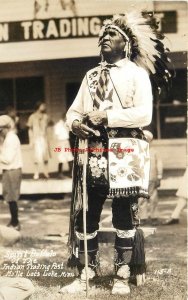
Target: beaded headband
{"points": [[117, 29]]}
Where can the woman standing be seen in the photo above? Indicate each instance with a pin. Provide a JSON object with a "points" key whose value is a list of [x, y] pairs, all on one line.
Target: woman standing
{"points": [[38, 123]]}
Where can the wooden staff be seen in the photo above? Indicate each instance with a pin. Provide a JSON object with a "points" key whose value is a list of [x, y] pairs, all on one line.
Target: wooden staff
{"points": [[85, 155]]}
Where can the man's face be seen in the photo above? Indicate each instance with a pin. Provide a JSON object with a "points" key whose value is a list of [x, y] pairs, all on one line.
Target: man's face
{"points": [[112, 42]]}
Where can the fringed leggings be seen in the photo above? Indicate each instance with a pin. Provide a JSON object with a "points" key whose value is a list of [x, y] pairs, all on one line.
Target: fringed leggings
{"points": [[129, 242]]}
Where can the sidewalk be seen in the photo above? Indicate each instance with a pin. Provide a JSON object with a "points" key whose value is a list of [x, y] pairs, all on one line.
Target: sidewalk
{"points": [[53, 185], [63, 186]]}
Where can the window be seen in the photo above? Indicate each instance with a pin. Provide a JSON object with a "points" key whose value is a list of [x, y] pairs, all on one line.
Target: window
{"points": [[71, 92], [21, 94], [170, 112], [6, 94]]}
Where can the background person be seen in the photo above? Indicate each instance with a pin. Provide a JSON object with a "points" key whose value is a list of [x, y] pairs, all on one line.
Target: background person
{"points": [[182, 194], [62, 137], [11, 112], [38, 123], [11, 165], [148, 208]]}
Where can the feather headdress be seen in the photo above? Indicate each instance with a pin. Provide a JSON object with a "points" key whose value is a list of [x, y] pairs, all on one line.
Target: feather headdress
{"points": [[144, 45]]}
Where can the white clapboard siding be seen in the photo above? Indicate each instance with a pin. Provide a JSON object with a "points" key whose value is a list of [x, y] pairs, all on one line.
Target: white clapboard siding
{"points": [[11, 10], [43, 50], [106, 7], [20, 10]]}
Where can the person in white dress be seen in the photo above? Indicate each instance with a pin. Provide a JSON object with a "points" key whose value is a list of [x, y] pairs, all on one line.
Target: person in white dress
{"points": [[64, 154], [182, 194]]}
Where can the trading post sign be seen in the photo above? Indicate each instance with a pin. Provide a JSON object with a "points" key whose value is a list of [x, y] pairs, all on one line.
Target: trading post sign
{"points": [[68, 28]]}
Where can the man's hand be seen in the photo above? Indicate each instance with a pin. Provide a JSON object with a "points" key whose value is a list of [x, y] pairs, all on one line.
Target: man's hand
{"points": [[82, 130], [96, 118]]}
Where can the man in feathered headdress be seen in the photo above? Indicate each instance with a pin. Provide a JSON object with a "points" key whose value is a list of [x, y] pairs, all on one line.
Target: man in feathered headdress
{"points": [[113, 103]]}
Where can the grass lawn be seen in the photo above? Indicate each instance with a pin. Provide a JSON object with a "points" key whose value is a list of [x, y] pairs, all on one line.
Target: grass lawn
{"points": [[166, 268]]}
